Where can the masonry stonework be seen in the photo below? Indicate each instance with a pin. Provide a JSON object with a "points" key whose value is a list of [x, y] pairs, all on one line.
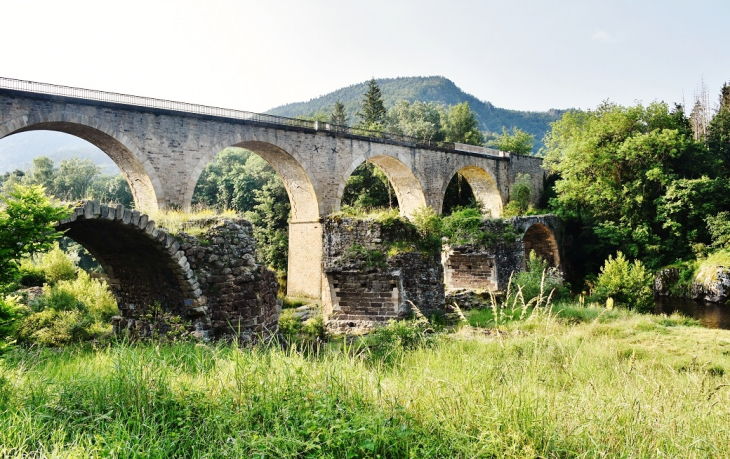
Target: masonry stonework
{"points": [[163, 152], [489, 267], [366, 287], [211, 282]]}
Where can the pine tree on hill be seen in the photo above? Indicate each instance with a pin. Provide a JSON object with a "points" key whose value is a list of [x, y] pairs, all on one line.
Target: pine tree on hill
{"points": [[373, 108], [339, 115]]}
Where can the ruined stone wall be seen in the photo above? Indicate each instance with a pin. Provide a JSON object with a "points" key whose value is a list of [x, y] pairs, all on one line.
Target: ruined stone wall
{"points": [[209, 285], [489, 267], [240, 295], [366, 287]]}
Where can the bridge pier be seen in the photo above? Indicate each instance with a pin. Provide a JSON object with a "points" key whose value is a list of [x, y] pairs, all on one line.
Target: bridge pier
{"points": [[304, 273]]}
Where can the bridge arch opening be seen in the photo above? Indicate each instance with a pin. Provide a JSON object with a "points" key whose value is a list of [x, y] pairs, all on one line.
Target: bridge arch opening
{"points": [[269, 184], [483, 189], [401, 185], [541, 239], [145, 270], [139, 175]]}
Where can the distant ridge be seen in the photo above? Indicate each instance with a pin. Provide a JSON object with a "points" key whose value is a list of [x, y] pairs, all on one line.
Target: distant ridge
{"points": [[436, 89]]}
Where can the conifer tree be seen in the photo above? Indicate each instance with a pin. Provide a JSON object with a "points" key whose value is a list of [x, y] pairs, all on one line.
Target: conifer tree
{"points": [[339, 115], [373, 108]]}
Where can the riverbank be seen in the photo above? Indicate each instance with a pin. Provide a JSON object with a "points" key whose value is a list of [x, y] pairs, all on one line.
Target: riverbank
{"points": [[589, 383]]}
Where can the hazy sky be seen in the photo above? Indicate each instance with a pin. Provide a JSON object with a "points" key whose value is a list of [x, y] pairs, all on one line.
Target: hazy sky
{"points": [[255, 55]]}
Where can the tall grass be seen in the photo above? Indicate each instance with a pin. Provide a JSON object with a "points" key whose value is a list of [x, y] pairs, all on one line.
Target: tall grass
{"points": [[623, 386], [195, 222]]}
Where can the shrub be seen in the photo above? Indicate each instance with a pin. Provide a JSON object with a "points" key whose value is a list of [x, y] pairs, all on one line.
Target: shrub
{"points": [[429, 226], [69, 311], [538, 277], [387, 344], [464, 226], [11, 315], [54, 266], [520, 195], [627, 283]]}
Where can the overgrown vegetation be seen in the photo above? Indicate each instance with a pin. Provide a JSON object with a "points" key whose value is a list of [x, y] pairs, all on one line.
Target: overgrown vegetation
{"points": [[559, 382]]}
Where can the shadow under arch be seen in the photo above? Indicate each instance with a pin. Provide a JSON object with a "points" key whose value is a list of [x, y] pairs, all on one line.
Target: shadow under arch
{"points": [[407, 188], [485, 189], [145, 265], [541, 239], [140, 175]]}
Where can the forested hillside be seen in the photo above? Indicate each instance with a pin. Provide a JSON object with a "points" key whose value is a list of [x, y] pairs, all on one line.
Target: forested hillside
{"points": [[426, 89]]}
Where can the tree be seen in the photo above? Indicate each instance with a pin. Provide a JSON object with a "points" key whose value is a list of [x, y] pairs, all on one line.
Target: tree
{"points": [[42, 173], [616, 164], [368, 188], [111, 189], [460, 125], [339, 115], [418, 119], [74, 178], [27, 216], [518, 141], [373, 108], [718, 132]]}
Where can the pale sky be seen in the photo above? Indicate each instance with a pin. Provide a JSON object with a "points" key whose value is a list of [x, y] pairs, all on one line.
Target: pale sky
{"points": [[255, 55]]}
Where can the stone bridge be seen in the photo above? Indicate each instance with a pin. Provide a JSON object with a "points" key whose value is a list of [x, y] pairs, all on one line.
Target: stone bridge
{"points": [[162, 148]]}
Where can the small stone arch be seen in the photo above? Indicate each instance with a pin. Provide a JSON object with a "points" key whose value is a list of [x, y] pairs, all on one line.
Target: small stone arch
{"points": [[407, 188], [145, 265], [302, 196], [138, 171], [540, 238], [484, 187]]}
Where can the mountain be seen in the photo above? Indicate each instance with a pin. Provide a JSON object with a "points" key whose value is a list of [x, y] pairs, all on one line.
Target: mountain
{"points": [[426, 89], [17, 151]]}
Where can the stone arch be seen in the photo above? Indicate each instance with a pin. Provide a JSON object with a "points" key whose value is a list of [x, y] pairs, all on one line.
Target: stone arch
{"points": [[140, 174], [304, 270], [541, 239], [145, 265], [407, 188], [484, 187], [302, 196]]}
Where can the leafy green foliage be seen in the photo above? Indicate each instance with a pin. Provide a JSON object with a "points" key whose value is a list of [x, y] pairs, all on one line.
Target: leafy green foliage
{"points": [[520, 196], [719, 228], [417, 119], [537, 279], [464, 226], [244, 182], [627, 283], [27, 216], [429, 227], [73, 180], [339, 115], [368, 188], [617, 166], [460, 125], [54, 265], [69, 311], [518, 141], [388, 344]]}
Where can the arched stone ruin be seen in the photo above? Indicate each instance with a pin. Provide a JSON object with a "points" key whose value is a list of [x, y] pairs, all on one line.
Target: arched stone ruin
{"points": [[211, 282]]}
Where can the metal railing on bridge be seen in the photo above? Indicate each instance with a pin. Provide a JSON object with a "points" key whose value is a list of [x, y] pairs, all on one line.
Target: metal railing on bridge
{"points": [[149, 102]]}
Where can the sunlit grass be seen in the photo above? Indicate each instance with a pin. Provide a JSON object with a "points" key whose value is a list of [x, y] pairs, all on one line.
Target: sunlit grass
{"points": [[195, 222], [595, 383]]}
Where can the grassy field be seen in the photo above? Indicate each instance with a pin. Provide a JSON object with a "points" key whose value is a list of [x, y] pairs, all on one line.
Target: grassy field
{"points": [[578, 382]]}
